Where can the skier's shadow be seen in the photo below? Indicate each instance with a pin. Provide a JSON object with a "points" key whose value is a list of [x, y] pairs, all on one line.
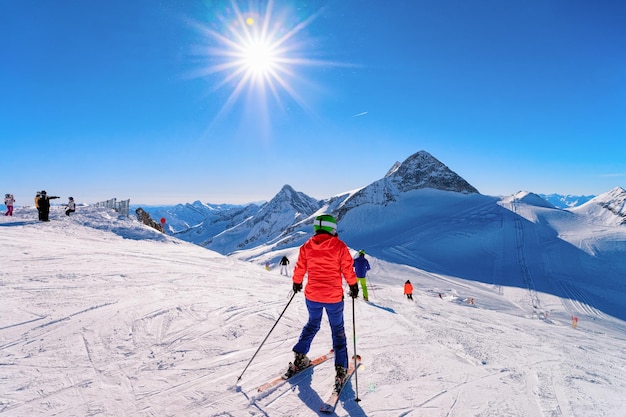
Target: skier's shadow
{"points": [[389, 309], [349, 403], [306, 393], [312, 399]]}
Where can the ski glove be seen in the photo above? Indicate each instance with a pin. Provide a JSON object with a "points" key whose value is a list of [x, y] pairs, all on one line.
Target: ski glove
{"points": [[297, 287], [354, 290]]}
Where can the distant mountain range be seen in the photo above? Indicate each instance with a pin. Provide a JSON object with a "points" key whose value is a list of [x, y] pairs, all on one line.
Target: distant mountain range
{"points": [[228, 228], [423, 214], [566, 201]]}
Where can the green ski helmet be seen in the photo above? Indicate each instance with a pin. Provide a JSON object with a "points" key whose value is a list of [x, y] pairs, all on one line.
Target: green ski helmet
{"points": [[325, 222]]}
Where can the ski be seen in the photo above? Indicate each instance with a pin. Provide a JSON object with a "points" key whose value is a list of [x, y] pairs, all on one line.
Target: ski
{"points": [[284, 378], [330, 404]]}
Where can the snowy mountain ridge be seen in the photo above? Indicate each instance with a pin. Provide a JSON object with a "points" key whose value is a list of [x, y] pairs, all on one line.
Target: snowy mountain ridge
{"points": [[419, 171], [609, 207], [529, 198], [566, 201], [295, 210], [268, 223], [283, 222]]}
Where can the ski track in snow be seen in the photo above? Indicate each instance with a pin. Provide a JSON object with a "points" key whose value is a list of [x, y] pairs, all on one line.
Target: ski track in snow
{"points": [[95, 324]]}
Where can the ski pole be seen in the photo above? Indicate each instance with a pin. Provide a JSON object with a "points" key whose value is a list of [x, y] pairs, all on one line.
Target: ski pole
{"points": [[356, 375], [268, 335], [369, 278]]}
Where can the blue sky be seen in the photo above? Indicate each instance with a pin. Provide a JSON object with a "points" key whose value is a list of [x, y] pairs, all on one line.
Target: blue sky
{"points": [[149, 100]]}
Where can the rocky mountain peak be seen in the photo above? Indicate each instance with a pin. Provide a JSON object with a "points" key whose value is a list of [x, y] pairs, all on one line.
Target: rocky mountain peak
{"points": [[610, 205], [290, 199], [422, 170]]}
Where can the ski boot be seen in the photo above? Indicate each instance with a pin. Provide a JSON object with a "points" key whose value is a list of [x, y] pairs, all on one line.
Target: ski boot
{"points": [[300, 362], [340, 377]]}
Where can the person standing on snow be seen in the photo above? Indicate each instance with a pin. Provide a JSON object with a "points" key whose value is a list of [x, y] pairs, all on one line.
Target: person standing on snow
{"points": [[361, 266], [408, 290], [9, 201], [326, 260], [43, 203], [283, 266], [37, 203], [70, 207]]}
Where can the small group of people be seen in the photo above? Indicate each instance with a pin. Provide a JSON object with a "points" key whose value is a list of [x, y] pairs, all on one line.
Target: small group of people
{"points": [[42, 202]]}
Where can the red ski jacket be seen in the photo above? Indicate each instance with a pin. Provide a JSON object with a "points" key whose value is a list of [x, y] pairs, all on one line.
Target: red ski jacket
{"points": [[326, 259], [408, 288]]}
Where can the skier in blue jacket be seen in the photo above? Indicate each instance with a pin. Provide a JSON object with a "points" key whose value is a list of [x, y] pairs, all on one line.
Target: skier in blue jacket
{"points": [[361, 266]]}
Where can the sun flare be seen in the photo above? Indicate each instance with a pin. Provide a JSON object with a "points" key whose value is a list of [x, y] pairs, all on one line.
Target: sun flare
{"points": [[260, 58], [256, 52]]}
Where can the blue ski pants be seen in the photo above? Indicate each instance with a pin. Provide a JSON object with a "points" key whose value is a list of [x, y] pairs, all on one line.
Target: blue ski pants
{"points": [[334, 311]]}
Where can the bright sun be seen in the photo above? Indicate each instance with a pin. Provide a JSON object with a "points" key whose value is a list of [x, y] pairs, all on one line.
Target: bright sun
{"points": [[256, 52], [260, 58]]}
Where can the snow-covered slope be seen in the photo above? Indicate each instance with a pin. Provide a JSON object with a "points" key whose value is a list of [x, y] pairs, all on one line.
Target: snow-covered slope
{"points": [[528, 198], [104, 316], [609, 208]]}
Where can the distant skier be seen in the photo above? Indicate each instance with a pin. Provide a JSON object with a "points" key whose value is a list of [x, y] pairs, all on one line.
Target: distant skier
{"points": [[70, 207], [9, 201], [361, 266], [327, 261], [408, 289], [43, 203], [283, 266]]}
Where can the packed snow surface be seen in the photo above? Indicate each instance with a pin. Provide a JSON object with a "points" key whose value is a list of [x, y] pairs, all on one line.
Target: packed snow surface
{"points": [[102, 316]]}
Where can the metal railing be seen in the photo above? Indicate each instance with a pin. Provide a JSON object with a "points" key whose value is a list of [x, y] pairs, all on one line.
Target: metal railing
{"points": [[122, 207]]}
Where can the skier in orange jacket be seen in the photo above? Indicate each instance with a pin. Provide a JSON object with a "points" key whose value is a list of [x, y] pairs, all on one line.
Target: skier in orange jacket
{"points": [[326, 260], [408, 289]]}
